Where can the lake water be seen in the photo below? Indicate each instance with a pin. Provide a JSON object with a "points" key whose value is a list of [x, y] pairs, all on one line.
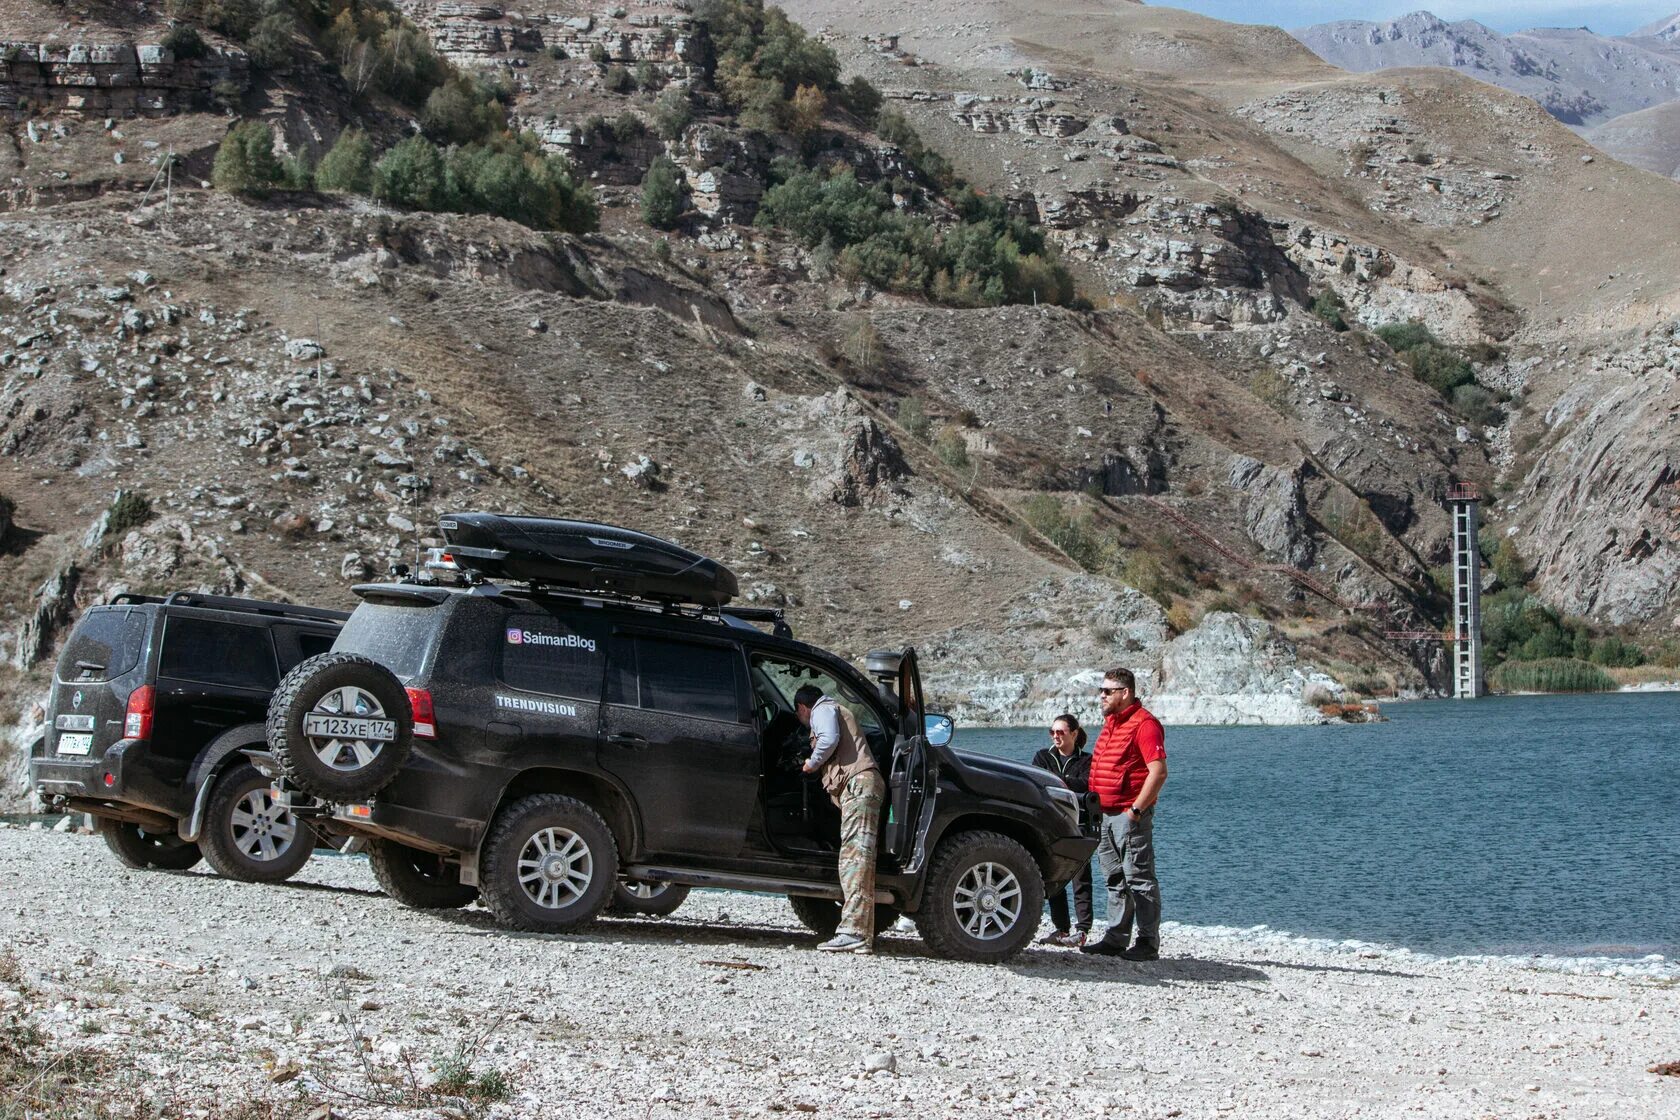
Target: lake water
{"points": [[1507, 826]]}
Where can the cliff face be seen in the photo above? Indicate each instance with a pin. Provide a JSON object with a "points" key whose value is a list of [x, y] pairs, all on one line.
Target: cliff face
{"points": [[115, 78], [1211, 443]]}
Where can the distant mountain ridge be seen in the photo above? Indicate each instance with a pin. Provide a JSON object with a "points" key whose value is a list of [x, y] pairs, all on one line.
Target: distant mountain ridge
{"points": [[1580, 77]]}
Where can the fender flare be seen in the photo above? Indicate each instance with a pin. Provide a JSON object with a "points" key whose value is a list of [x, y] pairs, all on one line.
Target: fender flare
{"points": [[212, 760]]}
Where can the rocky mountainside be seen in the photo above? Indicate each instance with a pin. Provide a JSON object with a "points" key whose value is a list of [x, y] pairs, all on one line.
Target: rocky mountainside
{"points": [[1209, 450], [1582, 78]]}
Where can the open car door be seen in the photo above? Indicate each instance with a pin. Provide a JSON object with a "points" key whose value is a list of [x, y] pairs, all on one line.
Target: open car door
{"points": [[911, 777]]}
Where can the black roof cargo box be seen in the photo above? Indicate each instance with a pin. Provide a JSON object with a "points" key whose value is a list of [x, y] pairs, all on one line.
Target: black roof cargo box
{"points": [[586, 556]]}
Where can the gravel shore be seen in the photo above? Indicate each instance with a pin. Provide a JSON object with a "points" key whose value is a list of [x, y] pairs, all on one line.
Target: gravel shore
{"points": [[152, 993]]}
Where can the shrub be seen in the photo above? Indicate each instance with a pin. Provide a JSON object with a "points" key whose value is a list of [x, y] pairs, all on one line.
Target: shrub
{"points": [[647, 76], [913, 418], [514, 179], [348, 165], [130, 510], [757, 44], [672, 112], [1509, 567], [1329, 307], [270, 44], [461, 112], [1552, 674], [412, 175], [662, 194], [185, 42], [297, 172], [1271, 386], [618, 80], [1615, 653], [1074, 535], [233, 18], [1478, 405], [951, 447], [626, 127], [862, 99], [1440, 367], [806, 110], [988, 258], [598, 54], [863, 344], [245, 163]]}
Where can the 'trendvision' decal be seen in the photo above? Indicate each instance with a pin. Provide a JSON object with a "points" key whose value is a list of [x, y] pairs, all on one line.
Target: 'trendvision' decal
{"points": [[544, 707], [518, 637]]}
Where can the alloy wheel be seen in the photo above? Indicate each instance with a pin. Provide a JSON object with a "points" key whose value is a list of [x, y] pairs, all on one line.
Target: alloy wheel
{"points": [[555, 868], [262, 829], [987, 900]]}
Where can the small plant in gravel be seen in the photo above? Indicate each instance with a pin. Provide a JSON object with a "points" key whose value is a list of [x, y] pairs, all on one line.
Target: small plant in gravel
{"points": [[11, 969], [130, 511]]}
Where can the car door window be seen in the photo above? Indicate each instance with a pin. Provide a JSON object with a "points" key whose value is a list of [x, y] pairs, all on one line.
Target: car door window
{"points": [[686, 678], [196, 649], [559, 657], [776, 679]]}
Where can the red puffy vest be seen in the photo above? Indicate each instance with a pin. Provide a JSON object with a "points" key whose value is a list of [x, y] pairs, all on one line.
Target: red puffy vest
{"points": [[1129, 742]]}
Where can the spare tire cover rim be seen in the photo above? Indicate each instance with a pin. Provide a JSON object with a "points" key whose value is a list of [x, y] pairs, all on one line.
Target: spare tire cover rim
{"points": [[555, 868], [262, 830], [987, 900], [348, 755]]}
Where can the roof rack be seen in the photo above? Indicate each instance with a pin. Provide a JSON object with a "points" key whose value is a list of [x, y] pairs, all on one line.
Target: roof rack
{"points": [[250, 606]]}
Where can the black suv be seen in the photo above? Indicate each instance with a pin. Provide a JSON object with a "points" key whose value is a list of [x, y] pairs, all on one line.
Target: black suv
{"points": [[157, 714], [611, 718]]}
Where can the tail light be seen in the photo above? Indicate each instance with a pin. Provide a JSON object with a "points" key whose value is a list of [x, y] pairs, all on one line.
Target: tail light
{"points": [[425, 723], [137, 722]]}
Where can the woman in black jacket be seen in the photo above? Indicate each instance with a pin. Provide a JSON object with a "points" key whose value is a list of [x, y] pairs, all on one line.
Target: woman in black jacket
{"points": [[1067, 758]]}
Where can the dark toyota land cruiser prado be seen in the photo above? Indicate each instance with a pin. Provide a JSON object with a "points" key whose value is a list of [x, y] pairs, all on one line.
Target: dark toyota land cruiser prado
{"points": [[157, 723], [599, 719]]}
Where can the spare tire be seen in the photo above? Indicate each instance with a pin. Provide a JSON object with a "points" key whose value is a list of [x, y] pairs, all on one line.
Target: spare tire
{"points": [[341, 726]]}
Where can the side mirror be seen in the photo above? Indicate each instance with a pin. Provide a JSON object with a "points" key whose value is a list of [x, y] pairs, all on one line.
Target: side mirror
{"points": [[940, 730]]}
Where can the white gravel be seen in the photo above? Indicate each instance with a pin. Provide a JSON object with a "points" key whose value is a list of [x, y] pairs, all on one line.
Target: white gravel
{"points": [[232, 996]]}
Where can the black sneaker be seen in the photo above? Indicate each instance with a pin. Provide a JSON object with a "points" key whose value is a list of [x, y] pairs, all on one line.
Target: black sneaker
{"points": [[1143, 950], [1104, 948]]}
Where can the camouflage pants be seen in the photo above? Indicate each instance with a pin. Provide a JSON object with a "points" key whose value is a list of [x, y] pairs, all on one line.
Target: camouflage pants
{"points": [[860, 832]]}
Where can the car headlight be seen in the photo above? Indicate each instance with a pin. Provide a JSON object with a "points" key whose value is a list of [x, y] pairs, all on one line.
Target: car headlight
{"points": [[1065, 799]]}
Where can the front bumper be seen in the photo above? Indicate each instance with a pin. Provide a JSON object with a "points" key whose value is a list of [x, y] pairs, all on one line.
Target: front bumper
{"points": [[1067, 856]]}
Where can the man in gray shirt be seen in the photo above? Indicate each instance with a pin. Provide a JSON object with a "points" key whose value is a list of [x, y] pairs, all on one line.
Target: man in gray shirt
{"points": [[840, 754]]}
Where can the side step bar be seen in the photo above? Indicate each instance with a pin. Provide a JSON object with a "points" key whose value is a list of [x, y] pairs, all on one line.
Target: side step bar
{"points": [[735, 882]]}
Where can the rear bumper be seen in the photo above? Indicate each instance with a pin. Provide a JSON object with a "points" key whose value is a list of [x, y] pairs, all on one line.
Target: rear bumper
{"points": [[432, 832], [120, 775]]}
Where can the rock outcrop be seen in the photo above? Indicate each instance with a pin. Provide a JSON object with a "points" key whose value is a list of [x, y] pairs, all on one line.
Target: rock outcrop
{"points": [[1236, 669], [115, 78]]}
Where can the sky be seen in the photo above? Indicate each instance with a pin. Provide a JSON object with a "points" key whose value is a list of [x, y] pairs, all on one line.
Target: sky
{"points": [[1610, 17]]}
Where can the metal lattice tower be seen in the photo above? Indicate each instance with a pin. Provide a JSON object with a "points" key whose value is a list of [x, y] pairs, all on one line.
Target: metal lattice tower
{"points": [[1464, 501]]}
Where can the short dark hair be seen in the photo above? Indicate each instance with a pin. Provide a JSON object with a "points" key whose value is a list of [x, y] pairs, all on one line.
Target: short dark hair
{"points": [[1124, 678], [808, 695]]}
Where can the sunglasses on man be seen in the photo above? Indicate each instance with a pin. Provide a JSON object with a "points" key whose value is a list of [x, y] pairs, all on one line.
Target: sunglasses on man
{"points": [[1104, 691]]}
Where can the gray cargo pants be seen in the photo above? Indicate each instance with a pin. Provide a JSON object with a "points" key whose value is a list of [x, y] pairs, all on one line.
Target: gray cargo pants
{"points": [[1126, 854]]}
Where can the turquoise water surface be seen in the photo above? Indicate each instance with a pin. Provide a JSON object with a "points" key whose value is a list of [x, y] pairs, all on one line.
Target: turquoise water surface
{"points": [[1507, 825]]}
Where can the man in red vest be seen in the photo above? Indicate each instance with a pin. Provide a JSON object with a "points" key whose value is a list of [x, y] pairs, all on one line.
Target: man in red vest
{"points": [[1128, 769]]}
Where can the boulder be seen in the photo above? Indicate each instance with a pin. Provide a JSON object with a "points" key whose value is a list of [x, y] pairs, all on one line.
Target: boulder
{"points": [[1236, 669]]}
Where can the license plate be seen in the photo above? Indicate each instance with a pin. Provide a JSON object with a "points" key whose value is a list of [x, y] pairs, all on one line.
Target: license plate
{"points": [[318, 726], [75, 744]]}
